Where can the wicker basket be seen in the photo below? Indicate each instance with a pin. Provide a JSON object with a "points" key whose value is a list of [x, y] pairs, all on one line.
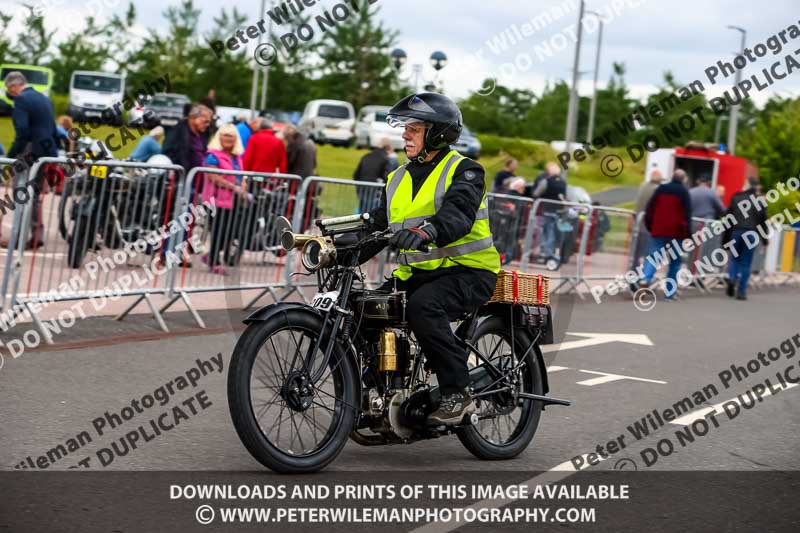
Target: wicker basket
{"points": [[516, 287]]}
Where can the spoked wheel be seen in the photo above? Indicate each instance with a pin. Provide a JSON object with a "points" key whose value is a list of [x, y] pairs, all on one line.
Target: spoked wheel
{"points": [[505, 428], [288, 422]]}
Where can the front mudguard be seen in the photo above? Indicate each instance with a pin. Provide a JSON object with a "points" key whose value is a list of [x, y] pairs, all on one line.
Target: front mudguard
{"points": [[267, 312]]}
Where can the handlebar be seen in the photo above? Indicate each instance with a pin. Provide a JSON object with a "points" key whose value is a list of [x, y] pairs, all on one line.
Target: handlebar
{"points": [[385, 236]]}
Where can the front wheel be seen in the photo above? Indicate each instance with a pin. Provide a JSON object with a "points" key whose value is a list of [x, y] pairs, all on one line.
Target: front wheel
{"points": [[505, 427], [288, 422], [79, 242]]}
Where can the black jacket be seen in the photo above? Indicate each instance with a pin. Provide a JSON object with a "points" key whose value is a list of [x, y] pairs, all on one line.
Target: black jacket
{"points": [[176, 145], [34, 126], [301, 157], [749, 221], [373, 166], [460, 205]]}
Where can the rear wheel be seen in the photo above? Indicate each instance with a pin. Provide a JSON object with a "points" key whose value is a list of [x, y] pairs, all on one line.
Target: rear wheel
{"points": [[504, 428], [287, 422]]}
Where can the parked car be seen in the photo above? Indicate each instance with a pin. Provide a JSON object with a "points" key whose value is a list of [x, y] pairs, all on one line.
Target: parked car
{"points": [[371, 127], [92, 93], [228, 115], [40, 78], [578, 195], [328, 121], [279, 118], [468, 144], [165, 109]]}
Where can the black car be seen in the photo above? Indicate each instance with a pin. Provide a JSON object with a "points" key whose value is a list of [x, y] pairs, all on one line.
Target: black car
{"points": [[165, 109]]}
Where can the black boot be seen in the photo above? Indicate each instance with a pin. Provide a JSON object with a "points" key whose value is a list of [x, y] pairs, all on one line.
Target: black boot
{"points": [[729, 287], [452, 409]]}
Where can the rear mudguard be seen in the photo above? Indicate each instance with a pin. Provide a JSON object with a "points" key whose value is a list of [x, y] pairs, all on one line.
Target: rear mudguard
{"points": [[528, 320]]}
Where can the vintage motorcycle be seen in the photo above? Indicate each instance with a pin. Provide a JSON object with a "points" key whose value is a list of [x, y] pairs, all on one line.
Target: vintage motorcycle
{"points": [[305, 377]]}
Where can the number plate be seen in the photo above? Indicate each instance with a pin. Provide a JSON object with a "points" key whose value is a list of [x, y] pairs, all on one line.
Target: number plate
{"points": [[324, 301], [98, 171]]}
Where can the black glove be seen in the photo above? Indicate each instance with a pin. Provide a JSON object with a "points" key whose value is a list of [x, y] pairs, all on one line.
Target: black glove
{"points": [[413, 238]]}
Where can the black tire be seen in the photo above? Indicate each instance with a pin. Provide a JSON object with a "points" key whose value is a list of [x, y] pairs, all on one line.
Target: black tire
{"points": [[344, 397], [78, 242], [520, 435]]}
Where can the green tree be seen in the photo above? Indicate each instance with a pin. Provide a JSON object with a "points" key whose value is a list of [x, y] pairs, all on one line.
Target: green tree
{"points": [[33, 44], [79, 51], [546, 118], [774, 146], [355, 58]]}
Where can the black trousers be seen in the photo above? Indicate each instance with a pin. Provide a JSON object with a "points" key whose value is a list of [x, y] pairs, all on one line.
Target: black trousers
{"points": [[222, 231], [434, 300]]}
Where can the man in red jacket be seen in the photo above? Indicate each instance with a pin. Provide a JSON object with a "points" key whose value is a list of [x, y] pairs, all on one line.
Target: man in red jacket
{"points": [[265, 152], [668, 218]]}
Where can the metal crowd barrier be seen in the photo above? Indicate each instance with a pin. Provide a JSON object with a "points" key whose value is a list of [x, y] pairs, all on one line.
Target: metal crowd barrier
{"points": [[10, 178], [69, 241], [322, 198], [240, 248], [611, 243], [788, 267]]}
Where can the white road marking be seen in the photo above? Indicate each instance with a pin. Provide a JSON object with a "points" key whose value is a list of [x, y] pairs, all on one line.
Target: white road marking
{"points": [[687, 419], [608, 378], [593, 339], [555, 474], [556, 368]]}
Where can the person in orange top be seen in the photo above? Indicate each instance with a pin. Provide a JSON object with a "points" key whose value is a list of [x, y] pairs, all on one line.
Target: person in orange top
{"points": [[265, 152]]}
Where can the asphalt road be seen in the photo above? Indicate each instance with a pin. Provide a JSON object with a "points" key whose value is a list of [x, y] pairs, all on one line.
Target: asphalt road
{"points": [[51, 396], [616, 195]]}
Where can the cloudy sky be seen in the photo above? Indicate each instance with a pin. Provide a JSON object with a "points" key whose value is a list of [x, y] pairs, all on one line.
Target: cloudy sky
{"points": [[481, 40]]}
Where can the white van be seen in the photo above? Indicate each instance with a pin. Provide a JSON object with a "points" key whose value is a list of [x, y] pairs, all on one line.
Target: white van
{"points": [[93, 95], [328, 121], [371, 127]]}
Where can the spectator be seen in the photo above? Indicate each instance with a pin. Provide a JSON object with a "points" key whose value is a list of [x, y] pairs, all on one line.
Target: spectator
{"points": [[301, 153], [553, 189], [373, 167], [506, 220], [210, 101], [503, 175], [246, 128], [148, 145], [551, 169], [185, 145], [600, 226], [668, 216], [646, 191], [265, 152], [224, 152], [34, 137], [747, 222], [63, 127], [387, 144], [705, 202]]}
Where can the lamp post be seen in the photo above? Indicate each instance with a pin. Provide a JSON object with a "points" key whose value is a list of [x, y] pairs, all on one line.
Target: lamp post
{"points": [[735, 109], [572, 111], [592, 109], [438, 62]]}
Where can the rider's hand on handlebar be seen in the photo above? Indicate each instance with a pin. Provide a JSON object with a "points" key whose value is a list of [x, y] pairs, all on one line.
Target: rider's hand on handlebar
{"points": [[414, 238]]}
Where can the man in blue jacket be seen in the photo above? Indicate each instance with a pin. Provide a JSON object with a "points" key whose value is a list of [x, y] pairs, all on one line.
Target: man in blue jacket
{"points": [[35, 135]]}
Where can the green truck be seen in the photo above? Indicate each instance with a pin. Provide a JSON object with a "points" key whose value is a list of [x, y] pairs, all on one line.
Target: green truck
{"points": [[40, 78]]}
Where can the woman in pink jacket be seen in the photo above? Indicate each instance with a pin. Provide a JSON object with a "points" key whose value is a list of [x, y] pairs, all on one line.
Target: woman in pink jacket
{"points": [[224, 152]]}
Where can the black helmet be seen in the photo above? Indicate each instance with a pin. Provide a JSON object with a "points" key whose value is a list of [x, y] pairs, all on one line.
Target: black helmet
{"points": [[441, 113]]}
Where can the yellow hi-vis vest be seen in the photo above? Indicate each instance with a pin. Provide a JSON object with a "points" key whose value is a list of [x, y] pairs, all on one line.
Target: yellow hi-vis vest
{"points": [[474, 250]]}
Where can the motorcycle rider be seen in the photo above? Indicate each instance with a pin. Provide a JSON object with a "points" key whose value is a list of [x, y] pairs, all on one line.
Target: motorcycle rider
{"points": [[437, 200]]}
